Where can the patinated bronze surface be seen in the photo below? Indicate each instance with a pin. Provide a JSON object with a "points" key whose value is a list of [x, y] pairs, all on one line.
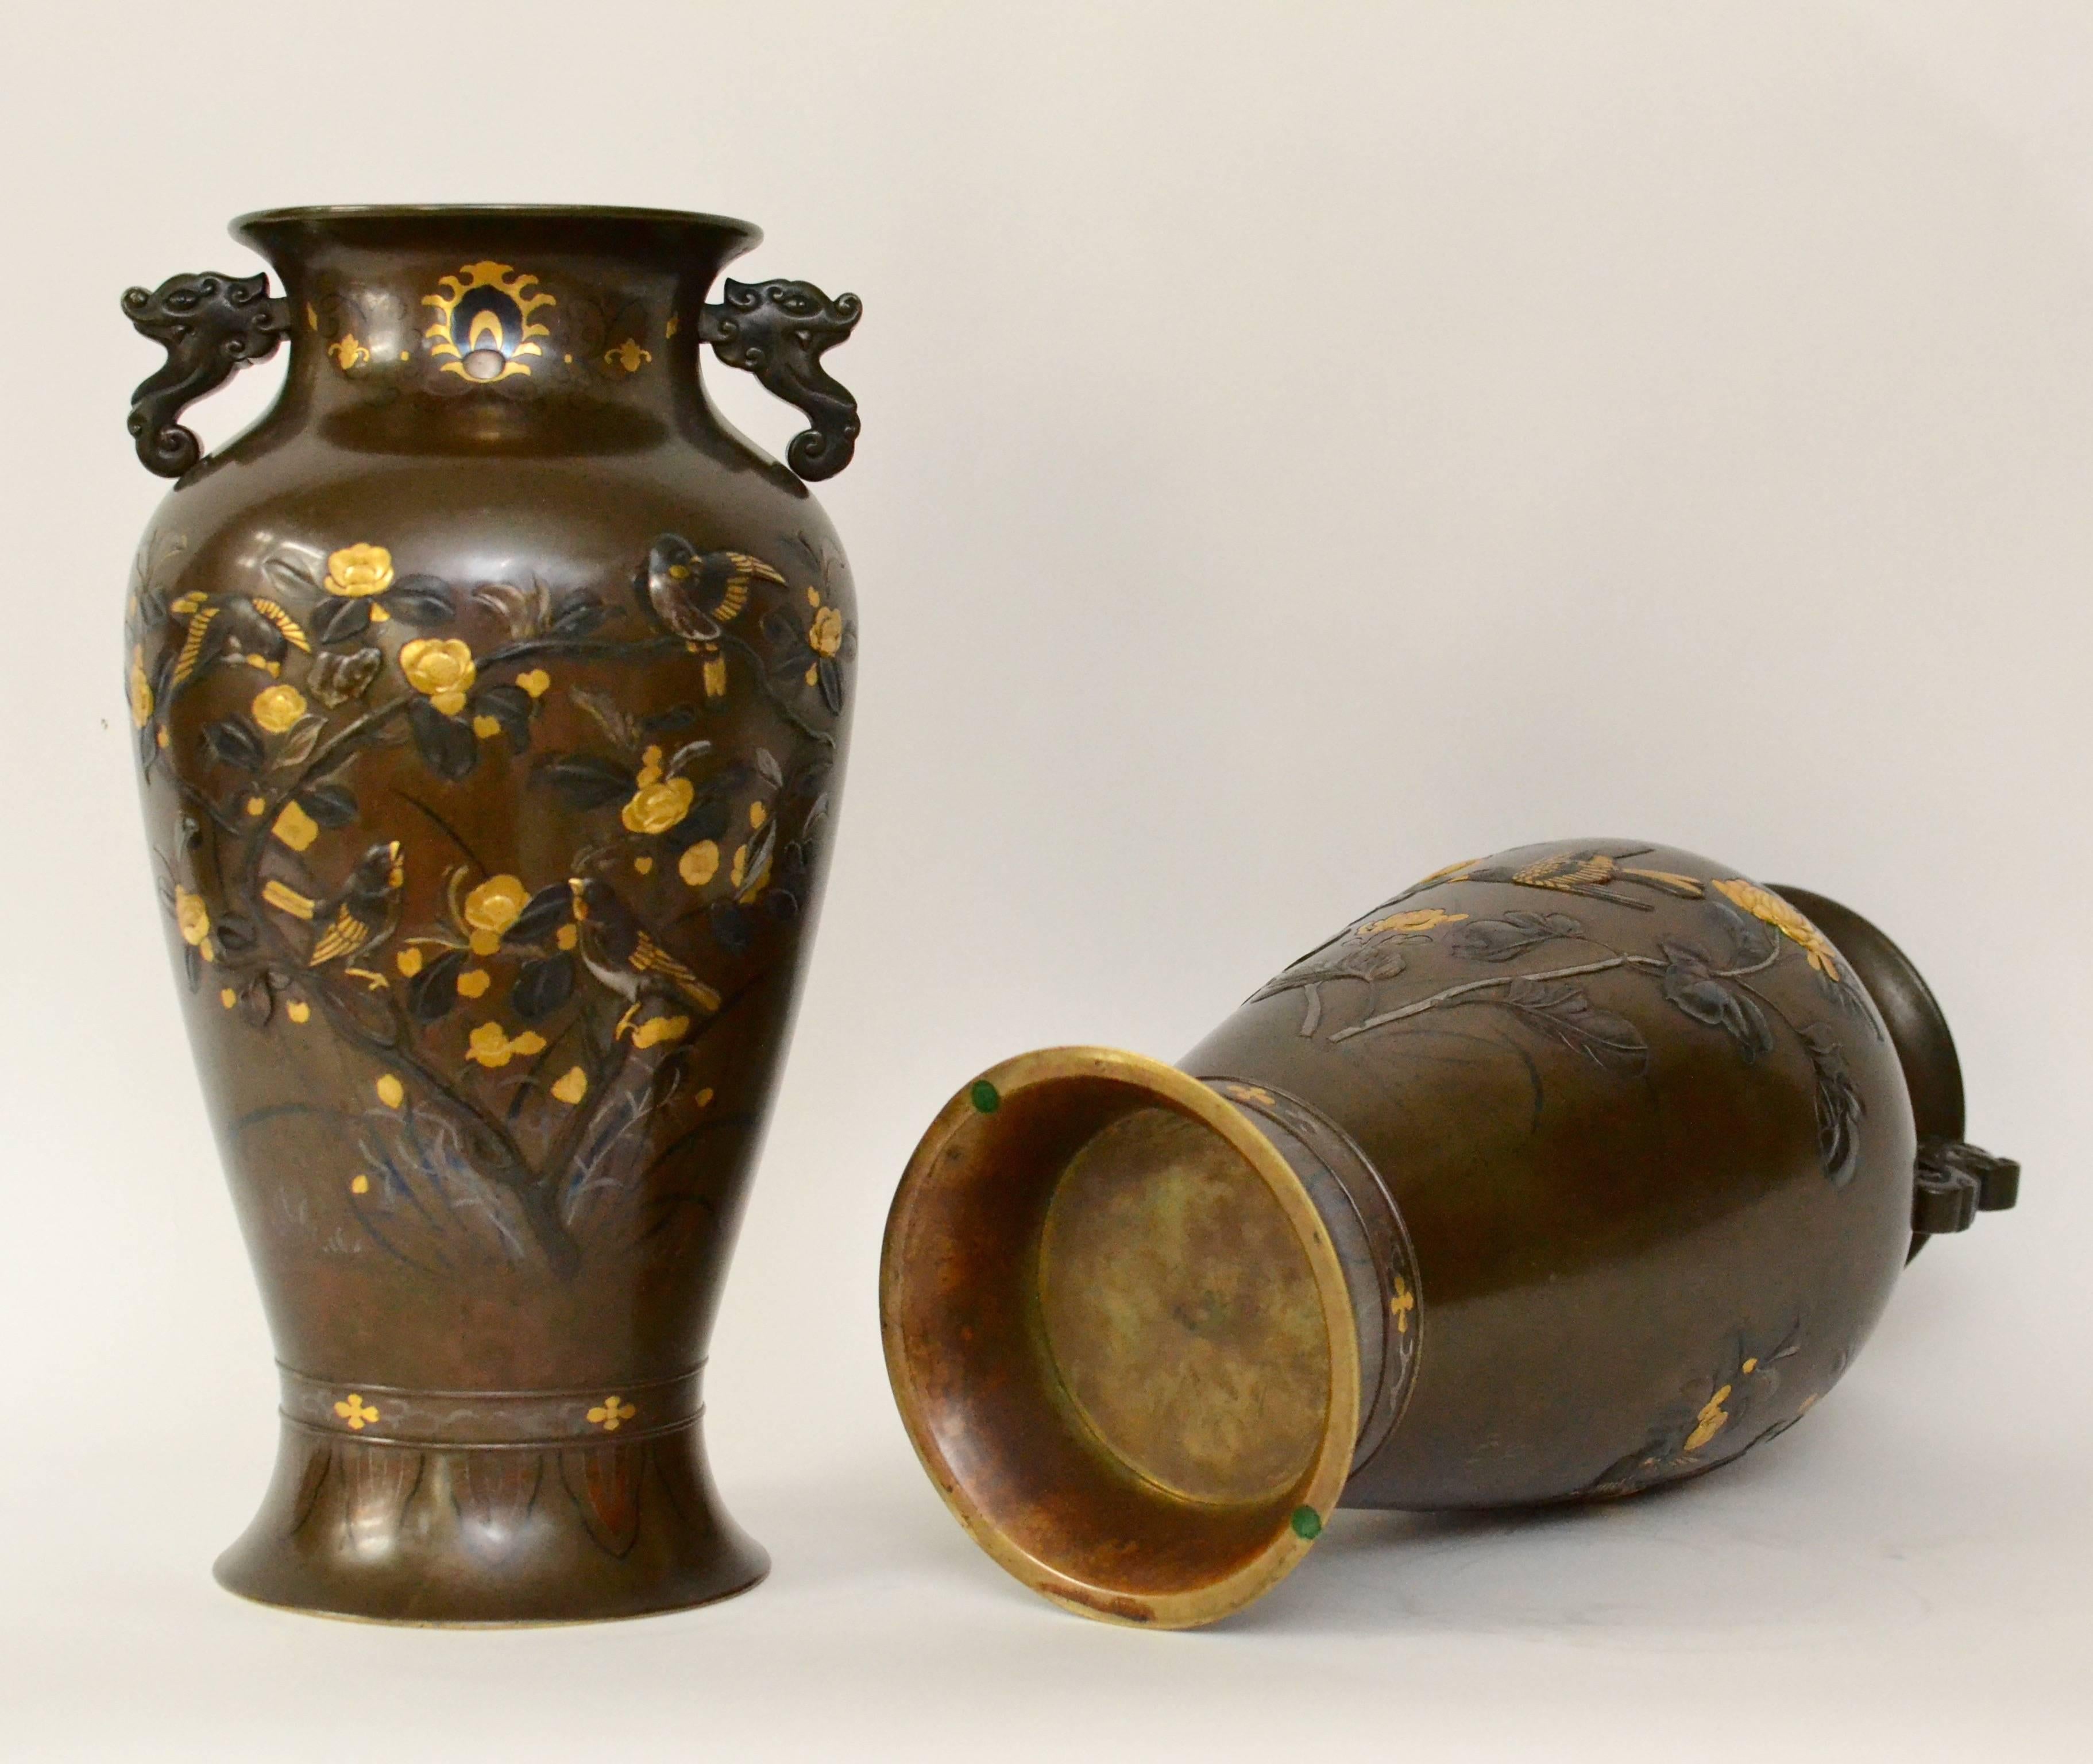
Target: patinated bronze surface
{"points": [[490, 698], [1564, 1174]]}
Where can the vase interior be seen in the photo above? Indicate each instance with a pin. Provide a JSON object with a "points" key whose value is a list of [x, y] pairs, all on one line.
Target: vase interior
{"points": [[1120, 1338]]}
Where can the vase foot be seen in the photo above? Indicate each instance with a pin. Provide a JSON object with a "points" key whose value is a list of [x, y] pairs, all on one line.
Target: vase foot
{"points": [[491, 1535]]}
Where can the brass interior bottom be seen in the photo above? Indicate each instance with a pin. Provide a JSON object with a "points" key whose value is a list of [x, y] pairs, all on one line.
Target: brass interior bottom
{"points": [[1181, 1313], [1120, 1337]]}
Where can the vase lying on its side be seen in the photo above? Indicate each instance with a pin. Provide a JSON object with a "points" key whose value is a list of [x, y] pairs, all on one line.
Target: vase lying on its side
{"points": [[490, 694], [1565, 1173]]}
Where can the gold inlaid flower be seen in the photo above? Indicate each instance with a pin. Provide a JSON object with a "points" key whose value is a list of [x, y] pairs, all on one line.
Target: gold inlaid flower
{"points": [[612, 1413], [442, 668], [391, 1091], [699, 863], [825, 636], [294, 827], [537, 682], [1421, 918], [1712, 1417], [657, 806], [141, 689], [358, 570], [1769, 908], [657, 1031], [409, 960], [474, 983], [572, 1086], [1447, 875], [192, 917], [356, 1412], [492, 907], [492, 1047], [489, 1045], [276, 708], [347, 353]]}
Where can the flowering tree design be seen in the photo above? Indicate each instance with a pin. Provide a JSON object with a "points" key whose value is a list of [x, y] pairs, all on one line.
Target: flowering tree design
{"points": [[1698, 1432], [521, 1016], [1752, 926]]}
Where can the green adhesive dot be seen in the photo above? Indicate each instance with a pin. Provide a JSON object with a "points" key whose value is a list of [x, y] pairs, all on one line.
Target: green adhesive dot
{"points": [[1307, 1523], [984, 1097]]}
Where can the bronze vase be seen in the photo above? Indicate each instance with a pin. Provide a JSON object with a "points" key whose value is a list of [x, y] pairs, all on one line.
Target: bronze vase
{"points": [[1564, 1174], [490, 696]]}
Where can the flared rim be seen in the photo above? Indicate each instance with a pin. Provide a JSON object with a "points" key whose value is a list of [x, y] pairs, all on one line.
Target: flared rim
{"points": [[329, 214], [1294, 1532]]}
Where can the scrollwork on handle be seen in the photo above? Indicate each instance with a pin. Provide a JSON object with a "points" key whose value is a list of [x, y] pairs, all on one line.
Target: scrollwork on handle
{"points": [[1954, 1182], [777, 330], [209, 325]]}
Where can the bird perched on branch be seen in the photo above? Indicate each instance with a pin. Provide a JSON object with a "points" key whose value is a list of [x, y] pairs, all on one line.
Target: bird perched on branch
{"points": [[244, 627], [357, 920], [620, 953], [698, 594]]}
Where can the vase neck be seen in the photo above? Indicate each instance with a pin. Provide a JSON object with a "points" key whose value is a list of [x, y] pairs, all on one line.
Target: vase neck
{"points": [[439, 329]]}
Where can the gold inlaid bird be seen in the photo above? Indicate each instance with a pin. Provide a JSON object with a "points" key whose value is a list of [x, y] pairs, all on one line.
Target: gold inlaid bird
{"points": [[697, 594], [357, 920], [237, 628], [619, 953]]}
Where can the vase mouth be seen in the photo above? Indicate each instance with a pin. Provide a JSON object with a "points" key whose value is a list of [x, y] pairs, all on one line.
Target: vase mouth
{"points": [[1120, 1336], [329, 214]]}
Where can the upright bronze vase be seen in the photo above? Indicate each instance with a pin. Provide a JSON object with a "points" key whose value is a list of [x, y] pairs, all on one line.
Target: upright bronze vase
{"points": [[490, 695], [1565, 1173]]}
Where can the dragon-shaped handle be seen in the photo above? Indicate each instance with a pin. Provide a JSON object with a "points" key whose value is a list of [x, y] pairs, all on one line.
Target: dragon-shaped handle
{"points": [[777, 330], [209, 325]]}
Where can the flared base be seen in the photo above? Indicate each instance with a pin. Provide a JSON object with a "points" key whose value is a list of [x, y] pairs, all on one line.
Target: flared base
{"points": [[1120, 1336], [490, 1535]]}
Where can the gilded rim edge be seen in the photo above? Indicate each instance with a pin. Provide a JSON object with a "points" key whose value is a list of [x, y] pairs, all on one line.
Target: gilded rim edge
{"points": [[1326, 1482]]}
